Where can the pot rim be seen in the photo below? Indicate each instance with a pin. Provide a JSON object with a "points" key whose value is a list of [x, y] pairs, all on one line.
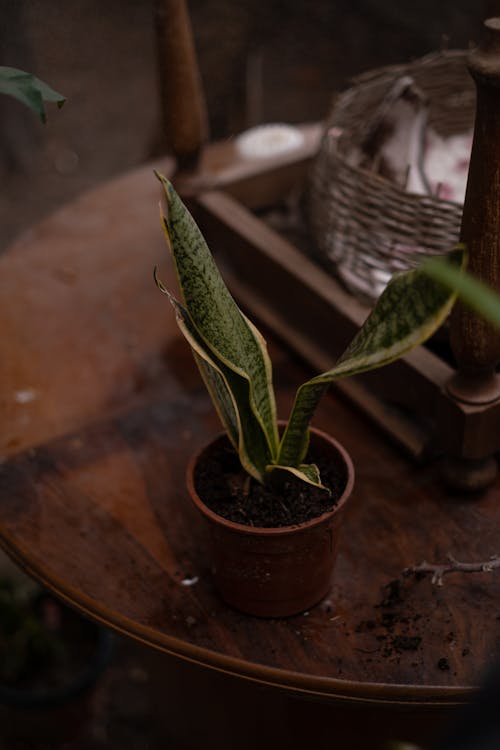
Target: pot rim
{"points": [[272, 530]]}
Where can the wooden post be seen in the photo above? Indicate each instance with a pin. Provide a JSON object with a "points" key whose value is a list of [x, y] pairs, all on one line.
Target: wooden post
{"points": [[183, 110], [476, 344]]}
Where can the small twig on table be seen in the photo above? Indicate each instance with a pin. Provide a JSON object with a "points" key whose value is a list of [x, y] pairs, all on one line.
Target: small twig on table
{"points": [[454, 566]]}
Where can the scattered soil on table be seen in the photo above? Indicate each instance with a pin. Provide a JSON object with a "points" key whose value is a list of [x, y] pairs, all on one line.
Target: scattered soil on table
{"points": [[231, 493], [395, 626], [398, 627], [444, 665]]}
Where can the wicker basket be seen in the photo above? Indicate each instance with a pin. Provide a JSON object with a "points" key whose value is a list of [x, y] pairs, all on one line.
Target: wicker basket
{"points": [[365, 226]]}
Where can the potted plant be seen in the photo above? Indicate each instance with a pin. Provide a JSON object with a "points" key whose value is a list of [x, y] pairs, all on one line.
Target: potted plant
{"points": [[273, 493]]}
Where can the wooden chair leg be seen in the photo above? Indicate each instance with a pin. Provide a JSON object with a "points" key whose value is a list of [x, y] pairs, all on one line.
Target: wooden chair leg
{"points": [[184, 122]]}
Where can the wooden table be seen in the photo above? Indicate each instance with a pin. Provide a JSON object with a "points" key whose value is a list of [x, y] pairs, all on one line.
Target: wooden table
{"points": [[101, 408]]}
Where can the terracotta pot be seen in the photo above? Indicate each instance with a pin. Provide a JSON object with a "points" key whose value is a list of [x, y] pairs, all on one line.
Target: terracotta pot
{"points": [[275, 572]]}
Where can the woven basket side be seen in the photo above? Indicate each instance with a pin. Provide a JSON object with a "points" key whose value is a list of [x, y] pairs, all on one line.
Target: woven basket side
{"points": [[364, 226]]}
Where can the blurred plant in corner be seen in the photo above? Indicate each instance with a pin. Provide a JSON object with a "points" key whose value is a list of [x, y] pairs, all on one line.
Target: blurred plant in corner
{"points": [[26, 643]]}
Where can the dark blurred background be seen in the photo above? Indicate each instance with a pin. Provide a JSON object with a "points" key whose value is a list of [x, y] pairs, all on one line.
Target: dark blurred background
{"points": [[279, 60]]}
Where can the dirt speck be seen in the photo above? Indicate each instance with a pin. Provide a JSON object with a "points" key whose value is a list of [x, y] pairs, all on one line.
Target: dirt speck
{"points": [[443, 664]]}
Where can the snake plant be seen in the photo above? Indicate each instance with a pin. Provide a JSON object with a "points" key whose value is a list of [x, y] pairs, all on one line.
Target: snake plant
{"points": [[232, 355]]}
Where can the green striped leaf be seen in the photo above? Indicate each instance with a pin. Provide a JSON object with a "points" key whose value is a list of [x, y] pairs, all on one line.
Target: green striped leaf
{"points": [[210, 373], [230, 394], [410, 309], [308, 473], [219, 393], [230, 337]]}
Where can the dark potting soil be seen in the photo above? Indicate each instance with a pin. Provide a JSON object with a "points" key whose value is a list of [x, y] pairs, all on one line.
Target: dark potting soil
{"points": [[231, 493]]}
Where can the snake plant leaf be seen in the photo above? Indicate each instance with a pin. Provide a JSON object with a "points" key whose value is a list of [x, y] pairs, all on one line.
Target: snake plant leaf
{"points": [[410, 309], [217, 389], [470, 291], [212, 377], [308, 473], [29, 90], [230, 394], [233, 340]]}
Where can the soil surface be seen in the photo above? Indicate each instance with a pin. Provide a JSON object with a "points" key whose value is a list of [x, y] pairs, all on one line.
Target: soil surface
{"points": [[231, 493]]}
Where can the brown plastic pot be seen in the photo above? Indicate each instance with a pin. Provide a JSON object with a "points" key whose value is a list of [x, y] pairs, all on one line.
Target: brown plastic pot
{"points": [[275, 572]]}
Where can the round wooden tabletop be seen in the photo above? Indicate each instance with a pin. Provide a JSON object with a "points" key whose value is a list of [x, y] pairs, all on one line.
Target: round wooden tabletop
{"points": [[102, 407]]}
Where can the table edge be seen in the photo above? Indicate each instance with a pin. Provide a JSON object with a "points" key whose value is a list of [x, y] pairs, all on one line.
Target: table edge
{"points": [[326, 687]]}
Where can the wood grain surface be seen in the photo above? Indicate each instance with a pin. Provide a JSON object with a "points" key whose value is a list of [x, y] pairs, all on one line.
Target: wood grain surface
{"points": [[101, 409]]}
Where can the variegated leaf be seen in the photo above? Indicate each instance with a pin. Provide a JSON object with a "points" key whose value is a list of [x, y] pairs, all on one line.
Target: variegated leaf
{"points": [[230, 393], [308, 473], [222, 326], [220, 395], [410, 309]]}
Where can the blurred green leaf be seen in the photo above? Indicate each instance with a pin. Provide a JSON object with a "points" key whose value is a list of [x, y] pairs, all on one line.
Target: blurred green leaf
{"points": [[29, 90], [471, 292]]}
